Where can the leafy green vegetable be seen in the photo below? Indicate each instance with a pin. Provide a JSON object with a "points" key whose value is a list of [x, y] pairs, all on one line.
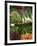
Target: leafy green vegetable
{"points": [[20, 27]]}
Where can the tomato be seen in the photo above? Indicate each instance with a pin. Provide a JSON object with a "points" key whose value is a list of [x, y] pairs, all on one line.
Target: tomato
{"points": [[30, 36]]}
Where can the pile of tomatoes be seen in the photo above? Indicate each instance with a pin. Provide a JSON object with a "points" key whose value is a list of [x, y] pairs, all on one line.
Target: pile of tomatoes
{"points": [[26, 36]]}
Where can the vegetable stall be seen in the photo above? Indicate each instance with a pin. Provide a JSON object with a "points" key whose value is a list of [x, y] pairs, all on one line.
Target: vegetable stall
{"points": [[20, 22]]}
